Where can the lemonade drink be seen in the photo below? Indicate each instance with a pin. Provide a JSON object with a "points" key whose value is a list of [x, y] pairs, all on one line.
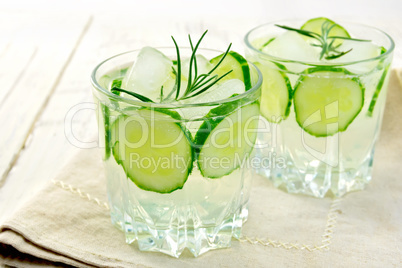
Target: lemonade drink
{"points": [[322, 100], [176, 167]]}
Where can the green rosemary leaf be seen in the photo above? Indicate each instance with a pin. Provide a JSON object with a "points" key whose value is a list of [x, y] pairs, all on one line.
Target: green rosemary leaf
{"points": [[300, 31], [326, 43], [174, 87], [204, 83], [178, 75], [188, 89], [196, 83], [136, 95], [195, 58], [335, 56], [201, 78], [208, 86], [323, 51], [198, 78], [220, 61], [348, 38], [331, 45]]}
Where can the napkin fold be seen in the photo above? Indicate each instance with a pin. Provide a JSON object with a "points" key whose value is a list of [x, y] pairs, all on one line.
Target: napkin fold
{"points": [[68, 222]]}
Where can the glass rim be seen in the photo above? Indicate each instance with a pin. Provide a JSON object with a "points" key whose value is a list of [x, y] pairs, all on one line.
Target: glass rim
{"points": [[176, 105], [318, 64]]}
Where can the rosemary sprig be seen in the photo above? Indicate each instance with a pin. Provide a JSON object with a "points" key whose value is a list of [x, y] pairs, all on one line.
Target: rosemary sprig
{"points": [[195, 85], [325, 42], [136, 95], [200, 83], [177, 84]]}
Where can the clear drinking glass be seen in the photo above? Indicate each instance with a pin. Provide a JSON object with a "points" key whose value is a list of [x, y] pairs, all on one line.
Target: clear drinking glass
{"points": [[300, 157], [201, 211]]}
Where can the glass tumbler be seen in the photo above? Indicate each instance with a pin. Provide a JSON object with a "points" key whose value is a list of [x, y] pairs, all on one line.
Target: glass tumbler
{"points": [[167, 192], [321, 118]]}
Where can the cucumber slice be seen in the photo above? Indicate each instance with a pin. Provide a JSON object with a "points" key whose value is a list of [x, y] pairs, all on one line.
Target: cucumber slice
{"points": [[106, 121], [379, 85], [377, 91], [276, 92], [153, 149], [315, 25], [327, 100], [226, 138], [235, 62]]}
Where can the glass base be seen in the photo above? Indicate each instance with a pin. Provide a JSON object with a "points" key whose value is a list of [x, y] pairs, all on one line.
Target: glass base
{"points": [[202, 216], [174, 240], [325, 181]]}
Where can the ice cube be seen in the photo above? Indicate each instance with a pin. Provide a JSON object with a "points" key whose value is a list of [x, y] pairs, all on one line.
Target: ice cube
{"points": [[220, 91], [216, 93], [292, 46], [149, 72], [360, 51], [203, 66]]}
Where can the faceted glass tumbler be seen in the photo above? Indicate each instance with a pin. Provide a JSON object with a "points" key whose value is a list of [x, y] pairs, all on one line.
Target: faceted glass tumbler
{"points": [[202, 213], [298, 156]]}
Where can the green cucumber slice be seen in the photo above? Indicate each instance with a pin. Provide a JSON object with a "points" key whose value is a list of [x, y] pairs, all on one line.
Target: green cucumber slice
{"points": [[226, 138], [377, 91], [327, 100], [153, 148], [106, 121], [379, 85], [276, 92], [235, 62], [315, 25]]}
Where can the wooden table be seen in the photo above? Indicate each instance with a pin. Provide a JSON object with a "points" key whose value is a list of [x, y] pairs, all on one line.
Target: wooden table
{"points": [[47, 53]]}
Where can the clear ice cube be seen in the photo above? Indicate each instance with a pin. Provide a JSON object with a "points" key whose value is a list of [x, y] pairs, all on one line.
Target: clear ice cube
{"points": [[220, 91], [292, 46], [149, 72], [216, 93], [203, 66], [360, 51]]}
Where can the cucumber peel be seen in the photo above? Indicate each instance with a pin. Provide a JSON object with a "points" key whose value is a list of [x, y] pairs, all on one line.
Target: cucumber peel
{"points": [[239, 66]]}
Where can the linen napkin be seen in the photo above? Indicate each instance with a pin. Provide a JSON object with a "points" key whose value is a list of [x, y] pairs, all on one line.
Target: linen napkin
{"points": [[68, 222]]}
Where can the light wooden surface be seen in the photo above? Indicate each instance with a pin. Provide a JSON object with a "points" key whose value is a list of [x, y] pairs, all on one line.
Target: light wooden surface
{"points": [[48, 51]]}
